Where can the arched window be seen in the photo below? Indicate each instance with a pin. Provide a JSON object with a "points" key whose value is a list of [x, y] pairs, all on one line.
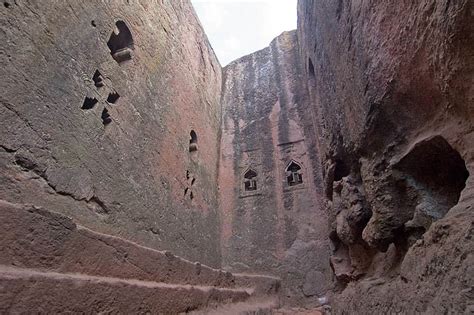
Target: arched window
{"points": [[121, 43], [193, 141], [250, 180], [293, 174]]}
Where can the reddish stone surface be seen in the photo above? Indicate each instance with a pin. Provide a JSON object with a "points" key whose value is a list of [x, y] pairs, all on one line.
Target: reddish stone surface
{"points": [[391, 86], [277, 228], [46, 258], [27, 291], [38, 239], [345, 147], [127, 177]]}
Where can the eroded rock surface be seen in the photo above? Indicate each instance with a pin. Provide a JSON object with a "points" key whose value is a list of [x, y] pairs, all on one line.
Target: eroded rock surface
{"points": [[98, 101], [339, 158], [391, 86]]}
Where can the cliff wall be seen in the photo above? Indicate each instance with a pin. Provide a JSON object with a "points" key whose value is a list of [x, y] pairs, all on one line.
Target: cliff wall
{"points": [[98, 102], [339, 158], [391, 85], [270, 182]]}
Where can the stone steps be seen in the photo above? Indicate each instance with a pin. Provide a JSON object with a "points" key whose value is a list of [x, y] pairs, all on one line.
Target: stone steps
{"points": [[24, 290], [261, 306], [36, 238], [46, 257]]}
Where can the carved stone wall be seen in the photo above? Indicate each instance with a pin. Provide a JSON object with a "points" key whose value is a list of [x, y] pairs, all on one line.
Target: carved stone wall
{"points": [[278, 228], [98, 100]]}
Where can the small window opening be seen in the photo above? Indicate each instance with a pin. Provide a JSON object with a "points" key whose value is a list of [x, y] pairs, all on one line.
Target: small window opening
{"points": [[106, 119], [293, 174], [250, 180], [193, 141], [187, 174], [6, 4], [93, 23], [191, 196], [121, 43], [186, 191], [311, 67], [113, 98], [192, 181], [98, 79], [89, 102]]}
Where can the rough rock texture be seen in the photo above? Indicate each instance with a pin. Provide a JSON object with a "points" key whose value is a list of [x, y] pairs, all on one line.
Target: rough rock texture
{"points": [[391, 85], [275, 224], [344, 148], [97, 105], [46, 257], [26, 291], [36, 238]]}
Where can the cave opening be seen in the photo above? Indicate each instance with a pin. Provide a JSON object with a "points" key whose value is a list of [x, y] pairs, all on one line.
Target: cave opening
{"points": [[437, 174], [341, 170]]}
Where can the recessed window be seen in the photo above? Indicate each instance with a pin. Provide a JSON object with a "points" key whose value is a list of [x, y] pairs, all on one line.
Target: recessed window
{"points": [[113, 98], [293, 174], [311, 67], [98, 79], [89, 102], [250, 180], [193, 141], [121, 43], [106, 119]]}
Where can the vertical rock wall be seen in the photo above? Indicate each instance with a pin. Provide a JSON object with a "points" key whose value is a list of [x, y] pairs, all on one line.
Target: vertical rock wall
{"points": [[98, 100], [363, 119], [270, 183], [391, 85]]}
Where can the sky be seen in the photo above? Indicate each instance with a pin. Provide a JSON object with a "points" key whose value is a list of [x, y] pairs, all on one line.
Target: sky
{"points": [[237, 28]]}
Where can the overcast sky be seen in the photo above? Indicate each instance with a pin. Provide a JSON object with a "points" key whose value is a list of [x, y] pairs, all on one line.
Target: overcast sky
{"points": [[239, 27]]}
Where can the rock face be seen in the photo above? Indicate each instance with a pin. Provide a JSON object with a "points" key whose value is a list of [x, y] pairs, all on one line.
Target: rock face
{"points": [[47, 260], [394, 101], [339, 159], [98, 104], [270, 183]]}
